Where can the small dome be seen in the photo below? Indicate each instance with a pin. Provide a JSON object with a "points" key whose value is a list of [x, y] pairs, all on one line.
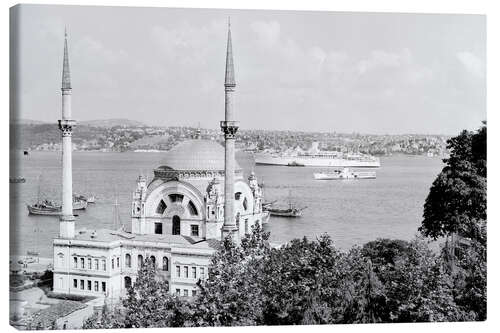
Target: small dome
{"points": [[196, 155]]}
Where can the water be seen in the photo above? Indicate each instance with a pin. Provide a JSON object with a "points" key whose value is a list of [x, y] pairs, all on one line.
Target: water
{"points": [[351, 212]]}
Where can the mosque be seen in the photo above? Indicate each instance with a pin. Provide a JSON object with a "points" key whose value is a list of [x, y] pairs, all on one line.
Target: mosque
{"points": [[197, 197]]}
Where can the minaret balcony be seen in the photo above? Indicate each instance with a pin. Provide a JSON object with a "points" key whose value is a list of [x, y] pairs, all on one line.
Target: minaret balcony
{"points": [[229, 127], [229, 123], [66, 126]]}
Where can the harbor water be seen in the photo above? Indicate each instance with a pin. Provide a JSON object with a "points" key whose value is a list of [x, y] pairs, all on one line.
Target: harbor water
{"points": [[350, 211]]}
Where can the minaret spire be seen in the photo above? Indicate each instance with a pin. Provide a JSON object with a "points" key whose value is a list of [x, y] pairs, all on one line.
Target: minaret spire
{"points": [[66, 77], [229, 80], [229, 127], [66, 124]]}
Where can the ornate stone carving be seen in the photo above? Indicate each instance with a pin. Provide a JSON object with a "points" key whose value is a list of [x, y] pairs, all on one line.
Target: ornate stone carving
{"points": [[229, 128], [66, 127]]}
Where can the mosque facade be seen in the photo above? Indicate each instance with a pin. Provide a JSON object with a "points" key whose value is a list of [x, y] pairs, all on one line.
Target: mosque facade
{"points": [[197, 196]]}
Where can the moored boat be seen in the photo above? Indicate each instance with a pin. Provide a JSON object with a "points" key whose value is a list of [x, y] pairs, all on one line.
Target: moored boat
{"points": [[345, 173], [89, 199], [287, 212], [15, 180], [47, 207], [291, 211]]}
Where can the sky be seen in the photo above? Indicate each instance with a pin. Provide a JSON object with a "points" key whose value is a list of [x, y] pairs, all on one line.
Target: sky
{"points": [[373, 73]]}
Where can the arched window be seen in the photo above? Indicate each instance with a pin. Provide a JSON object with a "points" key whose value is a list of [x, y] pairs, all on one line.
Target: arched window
{"points": [[61, 259], [192, 209], [140, 261], [165, 264], [161, 207], [245, 204], [237, 196], [176, 197], [128, 282], [153, 260], [176, 225], [128, 260]]}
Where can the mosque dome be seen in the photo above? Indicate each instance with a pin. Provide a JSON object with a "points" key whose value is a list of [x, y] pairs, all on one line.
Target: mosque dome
{"points": [[195, 155]]}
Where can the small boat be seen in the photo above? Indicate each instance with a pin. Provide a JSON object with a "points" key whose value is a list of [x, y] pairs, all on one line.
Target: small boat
{"points": [[288, 212], [47, 207], [79, 204], [89, 199], [291, 211], [345, 173], [14, 180], [295, 164]]}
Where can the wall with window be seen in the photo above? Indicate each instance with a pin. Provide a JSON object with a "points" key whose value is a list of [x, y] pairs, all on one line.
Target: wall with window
{"points": [[86, 262], [187, 267]]}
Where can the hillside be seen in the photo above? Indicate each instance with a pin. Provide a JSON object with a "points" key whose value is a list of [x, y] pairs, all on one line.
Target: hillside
{"points": [[26, 136], [108, 123]]}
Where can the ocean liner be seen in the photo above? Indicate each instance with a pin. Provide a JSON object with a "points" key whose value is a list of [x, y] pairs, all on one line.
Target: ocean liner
{"points": [[315, 157]]}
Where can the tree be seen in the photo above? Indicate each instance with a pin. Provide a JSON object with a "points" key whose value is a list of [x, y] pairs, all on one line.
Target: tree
{"points": [[150, 304], [232, 294], [456, 207], [456, 203], [469, 280]]}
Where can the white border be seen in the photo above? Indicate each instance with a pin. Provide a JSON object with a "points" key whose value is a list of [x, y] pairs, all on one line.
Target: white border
{"points": [[490, 8]]}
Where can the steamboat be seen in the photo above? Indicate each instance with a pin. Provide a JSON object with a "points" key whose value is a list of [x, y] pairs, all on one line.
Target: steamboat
{"points": [[315, 157]]}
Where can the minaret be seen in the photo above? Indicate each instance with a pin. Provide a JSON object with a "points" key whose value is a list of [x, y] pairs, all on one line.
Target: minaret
{"points": [[229, 126], [67, 220]]}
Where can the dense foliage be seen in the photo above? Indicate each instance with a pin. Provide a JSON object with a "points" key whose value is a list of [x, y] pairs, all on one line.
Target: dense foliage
{"points": [[312, 282], [456, 203]]}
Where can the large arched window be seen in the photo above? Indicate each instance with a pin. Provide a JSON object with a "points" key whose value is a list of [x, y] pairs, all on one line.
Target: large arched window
{"points": [[140, 261], [192, 209], [128, 260], [176, 225], [153, 260], [161, 207], [165, 264]]}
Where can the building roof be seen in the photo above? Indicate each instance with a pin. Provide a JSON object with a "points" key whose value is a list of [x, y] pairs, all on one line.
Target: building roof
{"points": [[109, 236], [195, 155]]}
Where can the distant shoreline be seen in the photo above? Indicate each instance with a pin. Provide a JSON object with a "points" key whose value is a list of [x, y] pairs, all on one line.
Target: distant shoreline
{"points": [[155, 151]]}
